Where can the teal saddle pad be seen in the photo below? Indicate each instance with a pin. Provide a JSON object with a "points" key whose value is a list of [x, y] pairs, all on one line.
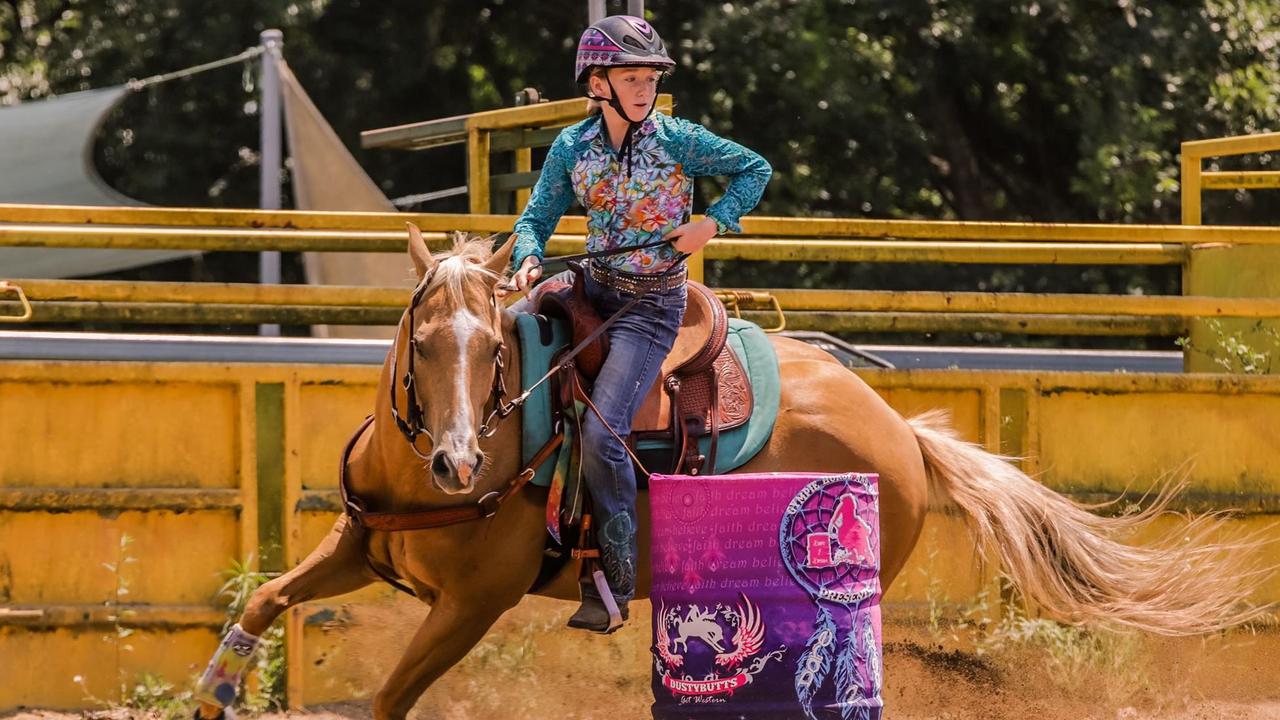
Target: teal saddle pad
{"points": [[542, 337]]}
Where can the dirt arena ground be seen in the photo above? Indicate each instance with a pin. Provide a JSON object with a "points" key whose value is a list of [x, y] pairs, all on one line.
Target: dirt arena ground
{"points": [[530, 668]]}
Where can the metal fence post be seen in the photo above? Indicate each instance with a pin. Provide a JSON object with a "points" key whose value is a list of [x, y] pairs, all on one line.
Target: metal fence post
{"points": [[269, 171]]}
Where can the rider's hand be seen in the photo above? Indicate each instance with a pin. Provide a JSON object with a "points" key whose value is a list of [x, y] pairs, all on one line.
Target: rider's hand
{"points": [[528, 274], [693, 236]]}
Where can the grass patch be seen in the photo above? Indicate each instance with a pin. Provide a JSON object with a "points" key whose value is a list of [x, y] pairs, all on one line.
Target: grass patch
{"points": [[150, 695], [264, 688]]}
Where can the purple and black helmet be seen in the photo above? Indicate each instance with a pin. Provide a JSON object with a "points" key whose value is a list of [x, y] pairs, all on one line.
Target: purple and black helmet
{"points": [[620, 41]]}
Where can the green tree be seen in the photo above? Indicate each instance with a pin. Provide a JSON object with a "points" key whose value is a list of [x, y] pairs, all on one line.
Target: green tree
{"points": [[1053, 110]]}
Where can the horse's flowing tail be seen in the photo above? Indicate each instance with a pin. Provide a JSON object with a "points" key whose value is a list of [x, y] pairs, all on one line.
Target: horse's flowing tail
{"points": [[1073, 564]]}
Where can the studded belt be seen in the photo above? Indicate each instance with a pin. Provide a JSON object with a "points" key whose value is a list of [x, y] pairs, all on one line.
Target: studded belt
{"points": [[637, 283]]}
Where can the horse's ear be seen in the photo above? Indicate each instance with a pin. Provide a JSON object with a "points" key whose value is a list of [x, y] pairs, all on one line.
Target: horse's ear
{"points": [[423, 263], [500, 261]]}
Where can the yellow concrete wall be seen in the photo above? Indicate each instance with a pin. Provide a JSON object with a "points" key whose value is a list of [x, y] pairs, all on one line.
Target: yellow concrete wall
{"points": [[178, 433], [1226, 270]]}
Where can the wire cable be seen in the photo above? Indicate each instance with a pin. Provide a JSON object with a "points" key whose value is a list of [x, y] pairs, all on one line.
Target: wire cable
{"points": [[253, 52]]}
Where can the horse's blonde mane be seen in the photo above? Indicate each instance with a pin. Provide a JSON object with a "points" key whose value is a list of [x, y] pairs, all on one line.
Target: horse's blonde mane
{"points": [[471, 252]]}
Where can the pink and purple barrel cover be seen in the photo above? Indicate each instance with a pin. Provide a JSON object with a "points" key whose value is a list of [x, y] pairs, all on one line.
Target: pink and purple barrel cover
{"points": [[766, 596]]}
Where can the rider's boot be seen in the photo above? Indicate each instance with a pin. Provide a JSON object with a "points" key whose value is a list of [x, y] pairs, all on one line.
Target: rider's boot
{"points": [[612, 581], [595, 613]]}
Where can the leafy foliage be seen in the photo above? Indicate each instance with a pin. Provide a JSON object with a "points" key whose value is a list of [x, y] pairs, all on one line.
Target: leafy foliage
{"points": [[1047, 110], [265, 687]]}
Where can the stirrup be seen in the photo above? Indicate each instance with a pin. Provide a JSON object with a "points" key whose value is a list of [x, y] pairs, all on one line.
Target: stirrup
{"points": [[615, 616], [606, 596], [591, 616]]}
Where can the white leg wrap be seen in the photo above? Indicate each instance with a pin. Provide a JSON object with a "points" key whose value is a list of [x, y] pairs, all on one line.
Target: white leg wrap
{"points": [[221, 680]]}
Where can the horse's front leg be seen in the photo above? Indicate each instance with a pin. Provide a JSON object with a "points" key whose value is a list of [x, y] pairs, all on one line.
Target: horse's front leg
{"points": [[454, 625], [335, 567]]}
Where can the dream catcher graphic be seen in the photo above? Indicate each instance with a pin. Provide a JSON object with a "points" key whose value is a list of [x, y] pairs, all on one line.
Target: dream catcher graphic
{"points": [[830, 545]]}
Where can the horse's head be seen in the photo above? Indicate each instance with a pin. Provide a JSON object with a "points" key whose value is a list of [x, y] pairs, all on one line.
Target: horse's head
{"points": [[455, 343]]}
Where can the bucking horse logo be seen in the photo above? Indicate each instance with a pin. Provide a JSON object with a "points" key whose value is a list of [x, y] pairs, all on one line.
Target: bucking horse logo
{"points": [[741, 660], [701, 624]]}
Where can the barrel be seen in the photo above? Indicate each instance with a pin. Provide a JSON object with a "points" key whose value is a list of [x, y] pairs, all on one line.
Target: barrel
{"points": [[766, 596]]}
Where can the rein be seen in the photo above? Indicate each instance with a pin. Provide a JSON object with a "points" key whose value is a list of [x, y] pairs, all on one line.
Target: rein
{"points": [[412, 426], [487, 506], [605, 253]]}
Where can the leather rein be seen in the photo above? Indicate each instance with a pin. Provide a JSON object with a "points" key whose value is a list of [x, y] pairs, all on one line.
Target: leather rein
{"points": [[412, 425]]}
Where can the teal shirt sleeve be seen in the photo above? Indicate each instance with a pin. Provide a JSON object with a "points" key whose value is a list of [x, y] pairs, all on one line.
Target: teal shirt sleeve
{"points": [[551, 197], [705, 153]]}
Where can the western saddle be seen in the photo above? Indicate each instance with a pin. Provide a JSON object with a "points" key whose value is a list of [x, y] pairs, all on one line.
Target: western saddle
{"points": [[702, 389]]}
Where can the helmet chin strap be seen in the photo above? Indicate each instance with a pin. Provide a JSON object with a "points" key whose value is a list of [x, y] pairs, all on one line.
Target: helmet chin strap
{"points": [[617, 105], [625, 147]]}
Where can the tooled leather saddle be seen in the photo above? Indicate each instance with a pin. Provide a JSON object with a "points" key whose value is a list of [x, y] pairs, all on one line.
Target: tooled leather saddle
{"points": [[702, 389]]}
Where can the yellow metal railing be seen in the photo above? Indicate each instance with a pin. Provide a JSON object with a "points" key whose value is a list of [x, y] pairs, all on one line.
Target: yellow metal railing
{"points": [[1227, 266], [352, 224], [735, 299], [1195, 180], [24, 304], [515, 129], [763, 239], [221, 303], [1047, 251]]}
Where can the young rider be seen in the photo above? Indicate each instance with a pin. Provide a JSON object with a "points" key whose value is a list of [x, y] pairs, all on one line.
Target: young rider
{"points": [[632, 169]]}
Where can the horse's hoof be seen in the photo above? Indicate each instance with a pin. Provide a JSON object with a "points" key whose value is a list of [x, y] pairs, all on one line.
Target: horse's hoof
{"points": [[225, 713]]}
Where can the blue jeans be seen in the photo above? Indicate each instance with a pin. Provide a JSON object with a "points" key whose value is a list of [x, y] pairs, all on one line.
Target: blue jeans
{"points": [[638, 343]]}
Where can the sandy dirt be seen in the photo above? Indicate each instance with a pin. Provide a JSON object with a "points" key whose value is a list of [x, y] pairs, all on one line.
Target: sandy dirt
{"points": [[531, 668]]}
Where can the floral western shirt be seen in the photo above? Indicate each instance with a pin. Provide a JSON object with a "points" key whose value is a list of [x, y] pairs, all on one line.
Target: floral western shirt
{"points": [[639, 200]]}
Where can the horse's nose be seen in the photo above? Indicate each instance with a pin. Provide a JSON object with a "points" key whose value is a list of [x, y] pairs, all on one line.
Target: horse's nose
{"points": [[468, 465], [440, 464], [463, 465]]}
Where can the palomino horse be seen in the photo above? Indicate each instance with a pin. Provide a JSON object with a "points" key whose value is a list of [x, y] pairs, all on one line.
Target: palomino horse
{"points": [[1067, 560]]}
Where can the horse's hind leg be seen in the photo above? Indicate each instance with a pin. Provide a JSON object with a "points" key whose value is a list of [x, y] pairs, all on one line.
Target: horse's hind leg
{"points": [[454, 625], [336, 566]]}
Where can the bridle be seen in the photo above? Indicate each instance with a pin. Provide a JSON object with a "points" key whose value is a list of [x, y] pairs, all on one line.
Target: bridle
{"points": [[412, 424]]}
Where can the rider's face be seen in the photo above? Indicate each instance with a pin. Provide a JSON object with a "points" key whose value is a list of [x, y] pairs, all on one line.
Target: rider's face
{"points": [[636, 87]]}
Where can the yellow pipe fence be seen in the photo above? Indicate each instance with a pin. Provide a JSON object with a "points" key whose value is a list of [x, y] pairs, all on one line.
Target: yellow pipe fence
{"points": [[763, 239], [1195, 179]]}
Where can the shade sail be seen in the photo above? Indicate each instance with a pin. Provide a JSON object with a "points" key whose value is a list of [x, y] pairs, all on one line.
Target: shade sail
{"points": [[47, 158], [327, 177]]}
